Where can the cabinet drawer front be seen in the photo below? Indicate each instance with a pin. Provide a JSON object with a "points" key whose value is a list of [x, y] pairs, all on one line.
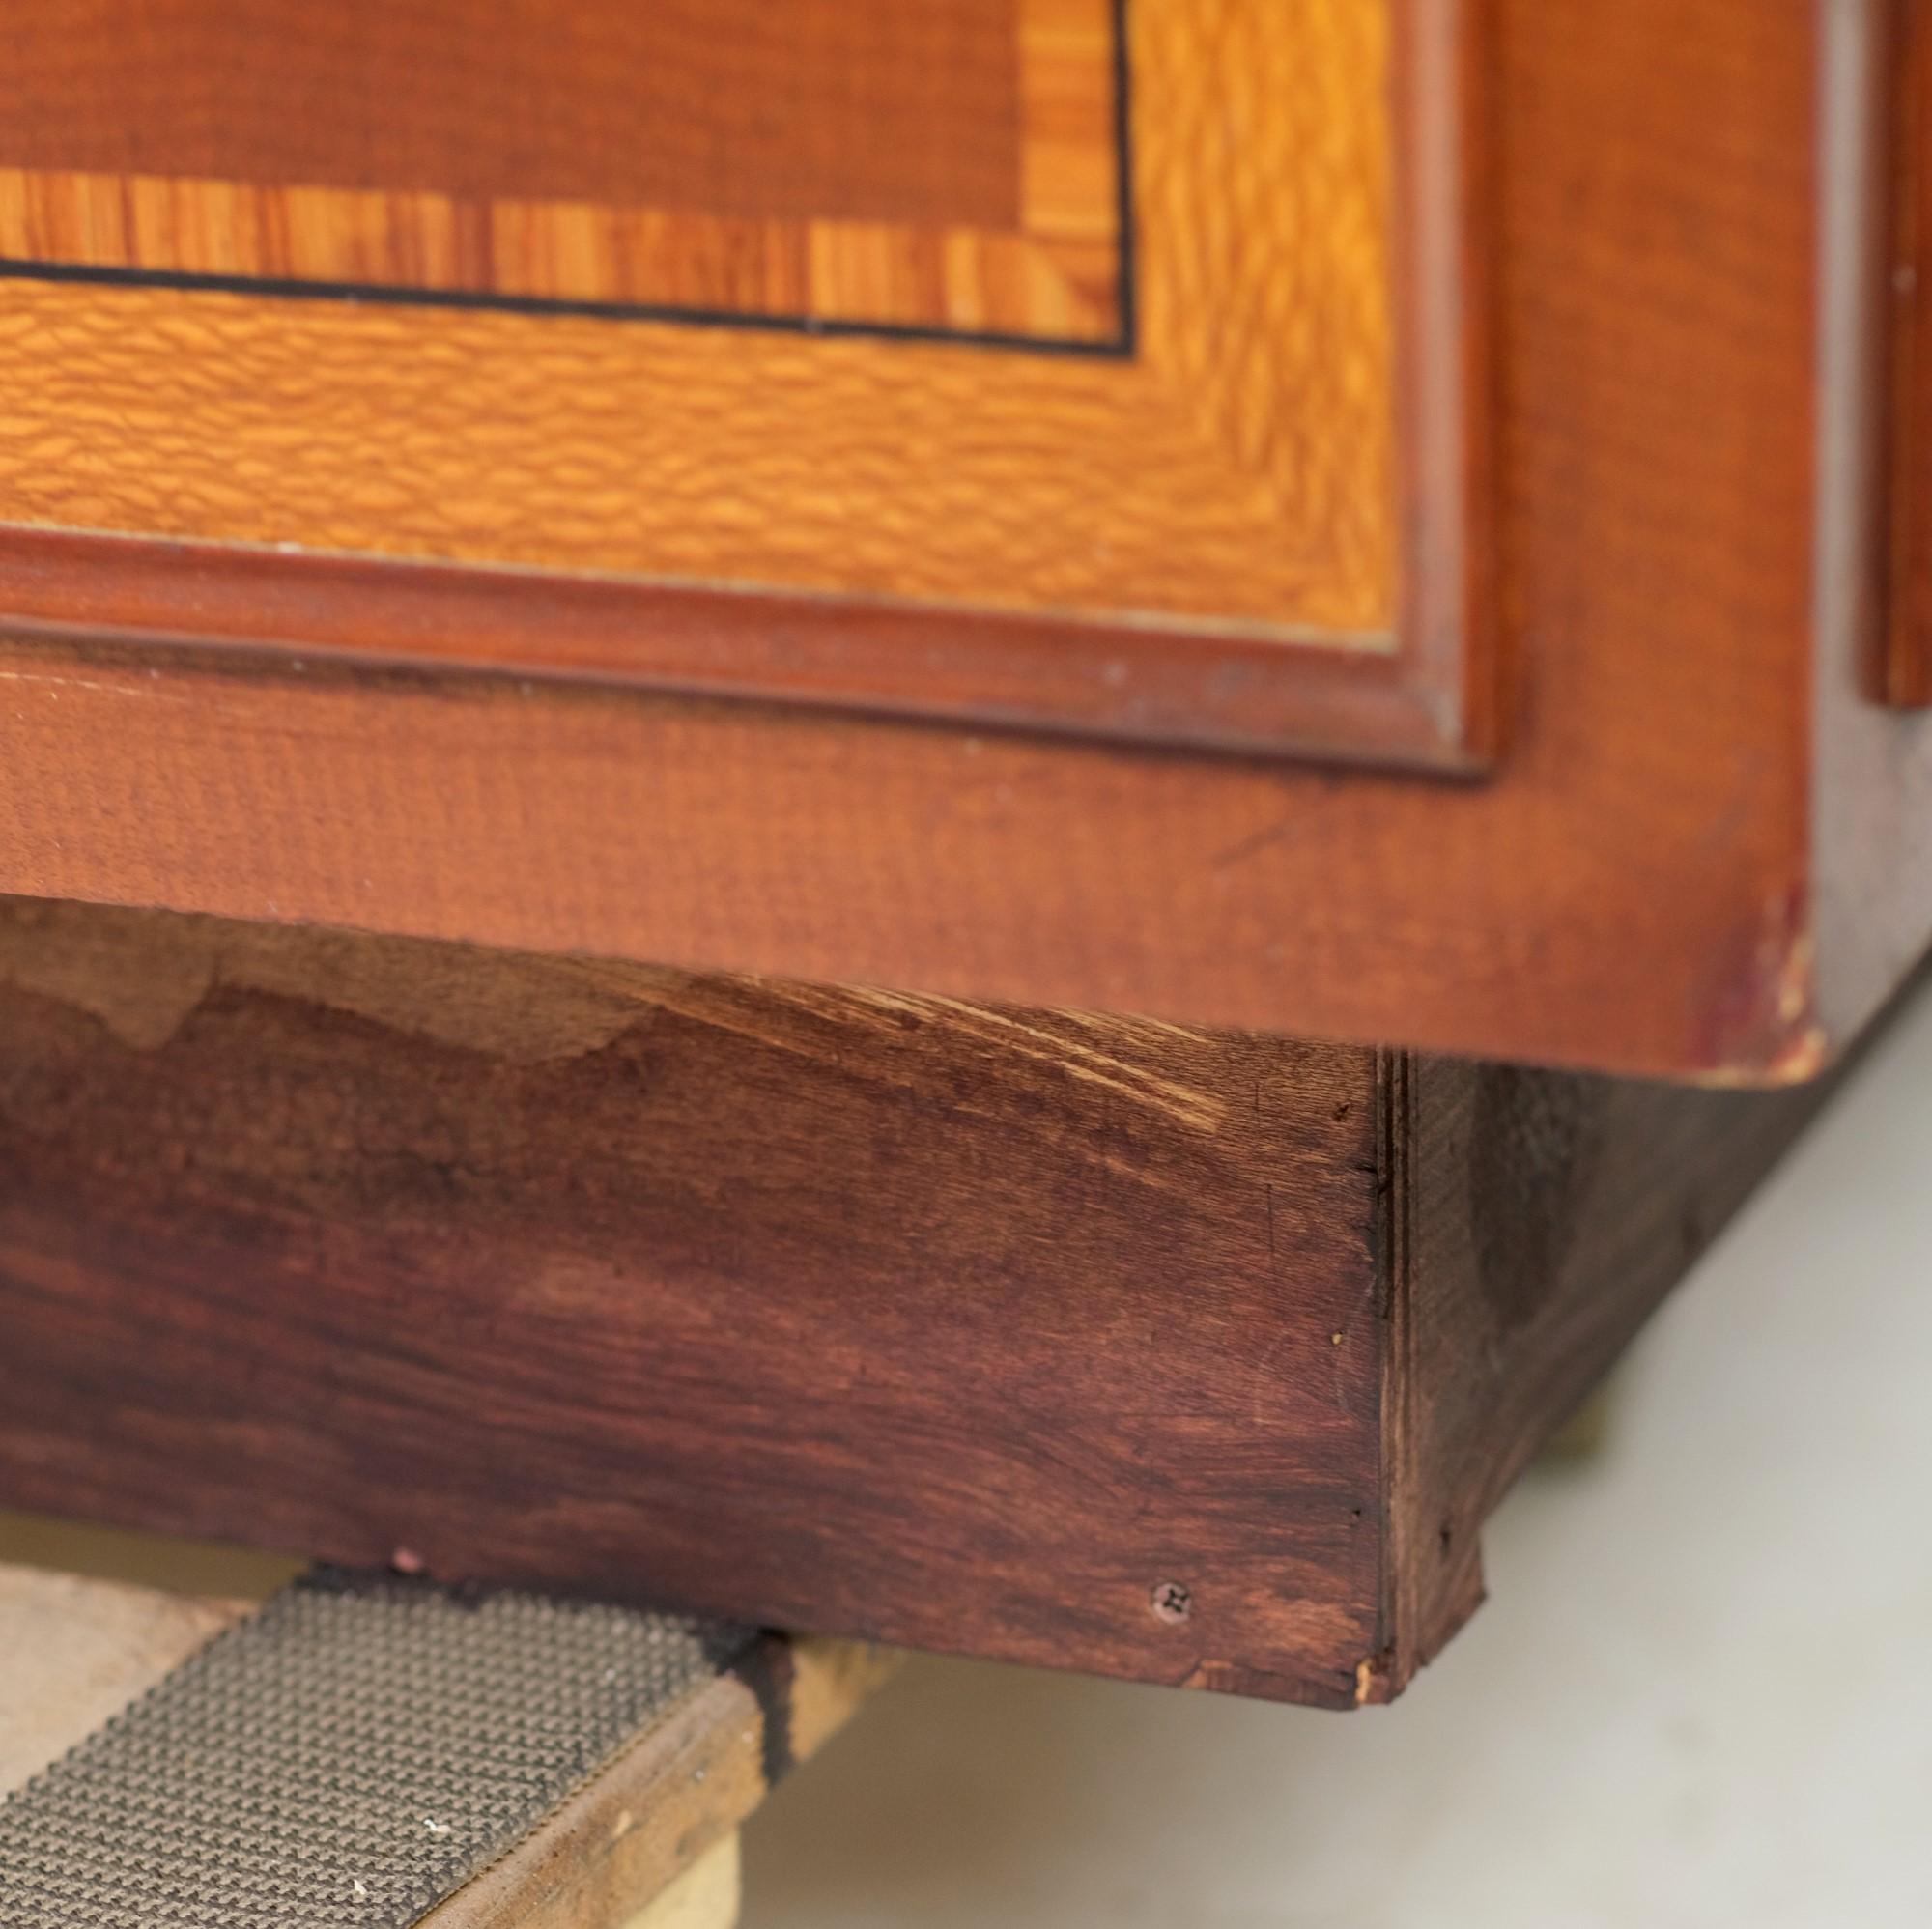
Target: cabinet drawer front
{"points": [[1036, 360], [1698, 850]]}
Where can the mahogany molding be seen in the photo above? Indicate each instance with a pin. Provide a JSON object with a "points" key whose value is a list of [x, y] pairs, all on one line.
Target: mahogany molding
{"points": [[1419, 688], [1902, 673], [1446, 639], [1148, 686]]}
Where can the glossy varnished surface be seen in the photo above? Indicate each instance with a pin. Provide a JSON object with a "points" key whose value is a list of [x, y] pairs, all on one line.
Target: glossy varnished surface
{"points": [[1701, 849], [1904, 220]]}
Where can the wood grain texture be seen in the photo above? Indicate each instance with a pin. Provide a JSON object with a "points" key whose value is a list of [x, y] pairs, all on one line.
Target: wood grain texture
{"points": [[945, 1325], [1705, 852], [953, 166], [671, 1805], [1260, 528], [708, 1896], [1543, 1217], [1239, 467], [755, 107], [80, 1650], [1146, 686], [1090, 1343]]}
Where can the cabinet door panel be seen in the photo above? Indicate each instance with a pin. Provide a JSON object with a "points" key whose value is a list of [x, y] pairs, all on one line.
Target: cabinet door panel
{"points": [[1702, 848], [1040, 361]]}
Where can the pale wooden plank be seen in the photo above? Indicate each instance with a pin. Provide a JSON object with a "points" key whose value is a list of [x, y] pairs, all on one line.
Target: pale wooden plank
{"points": [[650, 1843]]}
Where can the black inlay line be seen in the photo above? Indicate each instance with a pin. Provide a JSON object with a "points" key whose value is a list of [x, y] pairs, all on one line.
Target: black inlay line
{"points": [[1126, 242], [1109, 347], [1122, 345]]}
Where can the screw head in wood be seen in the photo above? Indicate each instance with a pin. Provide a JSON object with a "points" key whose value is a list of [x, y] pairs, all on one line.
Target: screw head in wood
{"points": [[1171, 1602]]}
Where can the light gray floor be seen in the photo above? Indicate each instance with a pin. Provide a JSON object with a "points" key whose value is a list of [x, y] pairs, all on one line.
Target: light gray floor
{"points": [[1700, 1695]]}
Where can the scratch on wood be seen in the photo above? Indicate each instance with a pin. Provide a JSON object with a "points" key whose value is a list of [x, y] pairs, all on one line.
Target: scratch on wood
{"points": [[152, 692], [1201, 1111], [1252, 845]]}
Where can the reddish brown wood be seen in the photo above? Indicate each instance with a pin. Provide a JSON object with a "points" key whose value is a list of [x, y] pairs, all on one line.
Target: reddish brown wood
{"points": [[1151, 685], [1905, 658], [1653, 879], [953, 1327], [768, 108], [1450, 635], [955, 167], [1543, 1217], [1084, 1341], [1704, 852]]}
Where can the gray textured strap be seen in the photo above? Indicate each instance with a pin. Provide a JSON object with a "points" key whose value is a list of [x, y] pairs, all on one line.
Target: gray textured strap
{"points": [[349, 1756]]}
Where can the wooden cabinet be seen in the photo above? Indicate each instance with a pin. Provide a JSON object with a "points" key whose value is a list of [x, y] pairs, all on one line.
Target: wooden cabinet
{"points": [[1362, 519]]}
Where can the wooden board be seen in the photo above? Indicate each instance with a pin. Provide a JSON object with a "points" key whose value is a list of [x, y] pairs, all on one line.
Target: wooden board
{"points": [[760, 1290], [793, 107], [1184, 1356], [651, 1840], [1545, 1217], [80, 1650]]}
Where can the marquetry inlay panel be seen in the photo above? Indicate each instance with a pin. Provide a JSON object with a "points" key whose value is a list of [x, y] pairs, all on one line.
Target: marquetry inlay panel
{"points": [[949, 164], [1107, 316]]}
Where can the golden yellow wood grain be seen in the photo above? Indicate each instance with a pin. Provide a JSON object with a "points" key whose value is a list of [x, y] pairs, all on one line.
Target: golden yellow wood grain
{"points": [[1052, 287], [1054, 275], [1240, 466]]}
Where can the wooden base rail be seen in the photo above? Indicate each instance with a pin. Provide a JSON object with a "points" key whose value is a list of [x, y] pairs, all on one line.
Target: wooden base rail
{"points": [[1095, 1343]]}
